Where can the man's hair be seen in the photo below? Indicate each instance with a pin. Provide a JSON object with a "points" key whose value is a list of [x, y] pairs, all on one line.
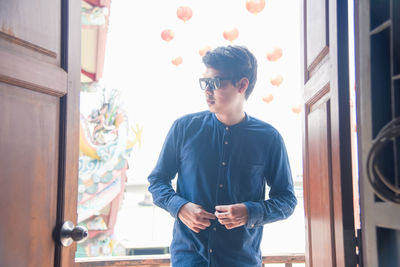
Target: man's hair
{"points": [[235, 62]]}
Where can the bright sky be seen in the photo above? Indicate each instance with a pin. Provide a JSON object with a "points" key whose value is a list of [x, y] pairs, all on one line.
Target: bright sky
{"points": [[156, 92]]}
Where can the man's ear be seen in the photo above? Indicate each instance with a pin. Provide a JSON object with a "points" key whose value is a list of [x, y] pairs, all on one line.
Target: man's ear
{"points": [[243, 84]]}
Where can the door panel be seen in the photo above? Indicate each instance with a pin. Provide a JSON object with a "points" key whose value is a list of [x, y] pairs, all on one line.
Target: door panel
{"points": [[38, 25], [320, 179], [39, 118], [317, 32], [328, 194], [28, 187], [32, 74]]}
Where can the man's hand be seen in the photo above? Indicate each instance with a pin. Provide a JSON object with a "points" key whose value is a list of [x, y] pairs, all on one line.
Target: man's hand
{"points": [[195, 217], [232, 216]]}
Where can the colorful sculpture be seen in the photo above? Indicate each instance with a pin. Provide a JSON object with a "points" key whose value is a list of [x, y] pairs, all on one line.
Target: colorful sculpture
{"points": [[106, 141]]}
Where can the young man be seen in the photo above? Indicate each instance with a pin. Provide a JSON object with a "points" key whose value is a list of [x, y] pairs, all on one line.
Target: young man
{"points": [[223, 158]]}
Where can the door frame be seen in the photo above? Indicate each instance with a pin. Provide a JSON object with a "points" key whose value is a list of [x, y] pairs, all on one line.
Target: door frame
{"points": [[69, 127]]}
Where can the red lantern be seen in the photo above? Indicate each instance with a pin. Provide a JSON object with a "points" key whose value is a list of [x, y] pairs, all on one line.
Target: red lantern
{"points": [[231, 34], [275, 54], [184, 13], [296, 109], [167, 35], [204, 50], [277, 80], [255, 6], [177, 61], [267, 99]]}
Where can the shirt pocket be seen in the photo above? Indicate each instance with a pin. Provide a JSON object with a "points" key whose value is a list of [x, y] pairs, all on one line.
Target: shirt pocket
{"points": [[250, 183]]}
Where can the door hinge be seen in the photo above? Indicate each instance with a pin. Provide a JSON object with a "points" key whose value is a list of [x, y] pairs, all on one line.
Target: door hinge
{"points": [[359, 248]]}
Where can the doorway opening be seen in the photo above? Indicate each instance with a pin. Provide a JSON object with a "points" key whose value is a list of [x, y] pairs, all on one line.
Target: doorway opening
{"points": [[152, 60]]}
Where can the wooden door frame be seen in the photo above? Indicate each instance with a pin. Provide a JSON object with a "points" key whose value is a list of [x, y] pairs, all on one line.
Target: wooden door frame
{"points": [[69, 127], [69, 144]]}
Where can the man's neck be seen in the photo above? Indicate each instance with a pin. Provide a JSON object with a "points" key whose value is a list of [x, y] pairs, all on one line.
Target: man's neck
{"points": [[232, 118]]}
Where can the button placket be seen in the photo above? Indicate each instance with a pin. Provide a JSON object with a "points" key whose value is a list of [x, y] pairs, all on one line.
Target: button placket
{"points": [[224, 161], [225, 155], [225, 147]]}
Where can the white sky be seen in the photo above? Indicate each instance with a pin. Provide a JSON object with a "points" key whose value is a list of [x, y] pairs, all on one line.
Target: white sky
{"points": [[155, 92]]}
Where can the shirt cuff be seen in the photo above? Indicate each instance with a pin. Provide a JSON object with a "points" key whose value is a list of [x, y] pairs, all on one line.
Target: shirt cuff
{"points": [[175, 204], [254, 214]]}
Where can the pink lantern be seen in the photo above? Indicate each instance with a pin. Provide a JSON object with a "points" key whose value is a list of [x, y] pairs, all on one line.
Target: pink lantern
{"points": [[296, 109], [267, 99], [204, 50], [184, 13], [231, 34], [255, 6], [275, 54], [277, 80], [167, 35], [177, 61]]}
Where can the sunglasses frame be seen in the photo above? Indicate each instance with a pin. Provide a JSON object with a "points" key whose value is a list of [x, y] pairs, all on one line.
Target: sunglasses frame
{"points": [[212, 83]]}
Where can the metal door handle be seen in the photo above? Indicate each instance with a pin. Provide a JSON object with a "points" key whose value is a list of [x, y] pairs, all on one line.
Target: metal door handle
{"points": [[70, 233]]}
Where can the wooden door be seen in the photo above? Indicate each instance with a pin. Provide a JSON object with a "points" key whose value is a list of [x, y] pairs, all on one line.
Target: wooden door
{"points": [[39, 128], [328, 197], [378, 104]]}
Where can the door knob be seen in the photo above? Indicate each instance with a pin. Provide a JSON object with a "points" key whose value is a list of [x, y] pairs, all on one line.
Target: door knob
{"points": [[70, 233]]}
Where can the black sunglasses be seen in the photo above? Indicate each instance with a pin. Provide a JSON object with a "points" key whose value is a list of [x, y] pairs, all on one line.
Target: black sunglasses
{"points": [[211, 83]]}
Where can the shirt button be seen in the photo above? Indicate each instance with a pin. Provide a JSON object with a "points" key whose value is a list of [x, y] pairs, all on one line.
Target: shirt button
{"points": [[210, 250], [227, 128], [221, 185], [252, 226], [226, 142], [215, 228], [223, 163]]}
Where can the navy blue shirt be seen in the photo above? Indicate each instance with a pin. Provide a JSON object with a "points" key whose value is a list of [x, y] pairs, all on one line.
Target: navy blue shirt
{"points": [[221, 165]]}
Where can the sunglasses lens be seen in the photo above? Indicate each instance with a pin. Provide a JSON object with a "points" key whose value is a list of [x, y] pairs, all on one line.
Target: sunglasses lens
{"points": [[203, 84], [216, 83]]}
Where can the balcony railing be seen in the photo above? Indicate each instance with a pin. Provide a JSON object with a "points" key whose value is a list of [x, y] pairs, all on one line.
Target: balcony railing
{"points": [[164, 260]]}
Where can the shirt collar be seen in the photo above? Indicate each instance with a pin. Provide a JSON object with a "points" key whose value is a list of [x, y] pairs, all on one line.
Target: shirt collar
{"points": [[235, 126]]}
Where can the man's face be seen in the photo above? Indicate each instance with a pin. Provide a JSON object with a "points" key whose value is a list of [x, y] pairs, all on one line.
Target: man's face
{"points": [[227, 98]]}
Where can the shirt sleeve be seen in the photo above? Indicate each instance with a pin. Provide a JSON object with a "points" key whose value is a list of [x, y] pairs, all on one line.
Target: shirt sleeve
{"points": [[282, 200], [165, 170]]}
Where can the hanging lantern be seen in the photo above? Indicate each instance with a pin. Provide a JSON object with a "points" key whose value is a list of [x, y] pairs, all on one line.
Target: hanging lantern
{"points": [[167, 35], [255, 6], [296, 109], [267, 99], [277, 80], [231, 34], [204, 50], [177, 61], [184, 13], [275, 54]]}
